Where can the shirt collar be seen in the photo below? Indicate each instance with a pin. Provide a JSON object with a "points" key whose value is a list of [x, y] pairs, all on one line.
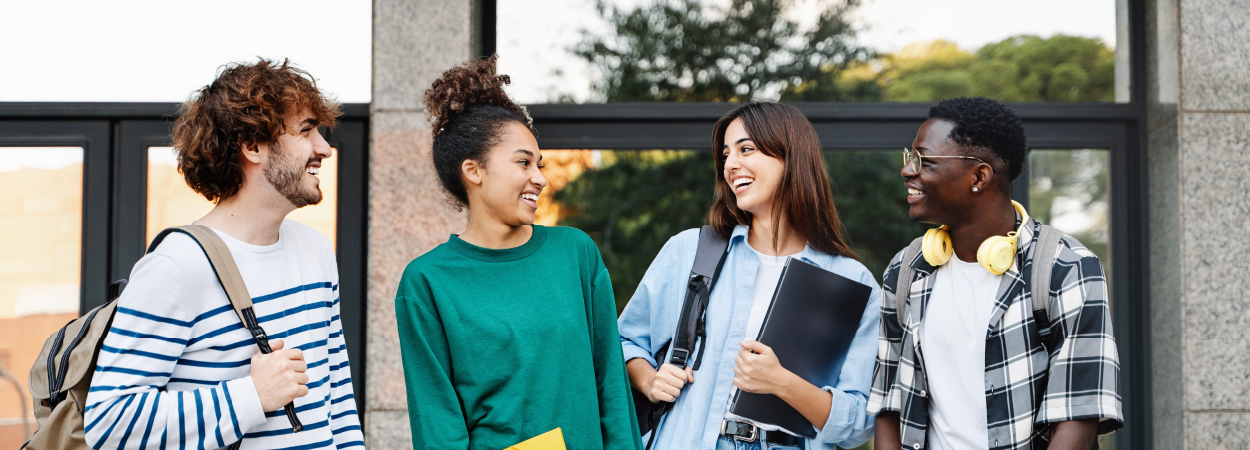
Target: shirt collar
{"points": [[809, 254]]}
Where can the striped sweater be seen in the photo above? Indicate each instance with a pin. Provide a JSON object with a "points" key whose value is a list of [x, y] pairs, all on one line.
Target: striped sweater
{"points": [[173, 371]]}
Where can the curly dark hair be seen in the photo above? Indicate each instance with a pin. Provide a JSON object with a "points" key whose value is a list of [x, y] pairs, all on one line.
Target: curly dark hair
{"points": [[987, 128], [247, 103], [468, 109]]}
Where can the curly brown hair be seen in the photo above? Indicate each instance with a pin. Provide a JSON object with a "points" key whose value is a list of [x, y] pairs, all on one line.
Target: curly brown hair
{"points": [[247, 103], [468, 109]]}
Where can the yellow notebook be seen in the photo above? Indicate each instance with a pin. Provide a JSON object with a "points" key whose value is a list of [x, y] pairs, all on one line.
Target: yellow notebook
{"points": [[551, 440]]}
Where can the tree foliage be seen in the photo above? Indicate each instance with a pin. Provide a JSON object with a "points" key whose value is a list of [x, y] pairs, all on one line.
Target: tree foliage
{"points": [[1017, 69], [682, 50]]}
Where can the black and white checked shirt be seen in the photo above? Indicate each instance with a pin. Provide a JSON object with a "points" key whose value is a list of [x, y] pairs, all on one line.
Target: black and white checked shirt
{"points": [[1037, 372]]}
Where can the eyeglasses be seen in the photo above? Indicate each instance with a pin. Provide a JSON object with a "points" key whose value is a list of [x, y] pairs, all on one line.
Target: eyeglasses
{"points": [[917, 160]]}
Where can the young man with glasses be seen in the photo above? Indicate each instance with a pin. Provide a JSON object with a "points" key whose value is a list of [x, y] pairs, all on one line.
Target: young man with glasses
{"points": [[971, 361], [177, 369]]}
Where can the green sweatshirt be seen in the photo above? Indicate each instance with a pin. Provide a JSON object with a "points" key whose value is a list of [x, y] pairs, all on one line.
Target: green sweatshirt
{"points": [[503, 345]]}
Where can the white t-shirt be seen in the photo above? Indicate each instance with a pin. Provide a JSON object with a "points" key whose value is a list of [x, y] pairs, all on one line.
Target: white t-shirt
{"points": [[766, 279], [952, 338]]}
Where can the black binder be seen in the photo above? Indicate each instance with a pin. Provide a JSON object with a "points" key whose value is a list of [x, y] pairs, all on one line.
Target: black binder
{"points": [[810, 325]]}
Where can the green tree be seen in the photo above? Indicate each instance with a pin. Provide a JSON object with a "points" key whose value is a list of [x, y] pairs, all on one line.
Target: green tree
{"points": [[1017, 69], [682, 50]]}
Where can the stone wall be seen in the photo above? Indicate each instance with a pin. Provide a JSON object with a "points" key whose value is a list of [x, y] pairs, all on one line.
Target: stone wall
{"points": [[414, 41], [1199, 135]]}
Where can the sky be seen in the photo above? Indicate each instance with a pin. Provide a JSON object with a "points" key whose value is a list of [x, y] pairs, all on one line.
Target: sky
{"points": [[161, 51]]}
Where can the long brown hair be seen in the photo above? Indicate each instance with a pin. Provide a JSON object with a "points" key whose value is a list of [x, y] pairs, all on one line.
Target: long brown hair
{"points": [[804, 196]]}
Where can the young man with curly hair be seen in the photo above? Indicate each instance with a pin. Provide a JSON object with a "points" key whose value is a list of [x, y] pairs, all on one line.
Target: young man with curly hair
{"points": [[976, 350], [177, 369]]}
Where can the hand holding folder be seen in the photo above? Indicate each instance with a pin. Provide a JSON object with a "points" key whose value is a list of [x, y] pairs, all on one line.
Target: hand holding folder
{"points": [[551, 440], [809, 327]]}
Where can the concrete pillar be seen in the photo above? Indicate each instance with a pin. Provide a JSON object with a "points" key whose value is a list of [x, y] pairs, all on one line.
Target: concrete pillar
{"points": [[414, 41], [1199, 133]]}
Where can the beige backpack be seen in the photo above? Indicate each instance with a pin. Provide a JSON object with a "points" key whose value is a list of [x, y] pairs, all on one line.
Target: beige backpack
{"points": [[61, 376]]}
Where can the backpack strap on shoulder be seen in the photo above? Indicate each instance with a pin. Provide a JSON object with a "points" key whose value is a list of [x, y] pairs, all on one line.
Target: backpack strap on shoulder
{"points": [[902, 288], [231, 280], [1043, 263], [709, 258]]}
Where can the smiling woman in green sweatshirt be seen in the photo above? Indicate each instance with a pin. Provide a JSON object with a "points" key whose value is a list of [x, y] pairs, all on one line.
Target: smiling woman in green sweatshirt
{"points": [[508, 330]]}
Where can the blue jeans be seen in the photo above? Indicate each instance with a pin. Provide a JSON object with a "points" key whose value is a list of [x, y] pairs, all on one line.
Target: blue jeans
{"points": [[725, 443]]}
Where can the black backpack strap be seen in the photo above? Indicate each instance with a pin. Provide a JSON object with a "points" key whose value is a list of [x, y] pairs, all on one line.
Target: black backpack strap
{"points": [[231, 280], [709, 258]]}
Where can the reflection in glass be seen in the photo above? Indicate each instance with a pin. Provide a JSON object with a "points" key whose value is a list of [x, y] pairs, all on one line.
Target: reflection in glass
{"points": [[1070, 190], [40, 264], [884, 50], [171, 202]]}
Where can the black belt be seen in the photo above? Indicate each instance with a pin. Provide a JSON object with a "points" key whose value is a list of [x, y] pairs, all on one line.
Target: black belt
{"points": [[748, 432]]}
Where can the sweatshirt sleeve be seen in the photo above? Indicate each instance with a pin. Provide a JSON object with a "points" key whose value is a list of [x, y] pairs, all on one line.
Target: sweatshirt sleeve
{"points": [[128, 405], [344, 420], [434, 410], [616, 406]]}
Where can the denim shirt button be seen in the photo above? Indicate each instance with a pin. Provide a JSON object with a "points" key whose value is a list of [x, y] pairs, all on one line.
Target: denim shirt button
{"points": [[917, 446], [924, 394]]}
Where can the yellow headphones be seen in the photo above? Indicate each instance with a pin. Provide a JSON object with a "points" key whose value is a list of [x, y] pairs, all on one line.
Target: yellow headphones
{"points": [[996, 254]]}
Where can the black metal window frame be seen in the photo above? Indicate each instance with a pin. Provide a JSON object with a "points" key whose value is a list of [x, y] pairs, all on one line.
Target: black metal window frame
{"points": [[115, 138], [1116, 127]]}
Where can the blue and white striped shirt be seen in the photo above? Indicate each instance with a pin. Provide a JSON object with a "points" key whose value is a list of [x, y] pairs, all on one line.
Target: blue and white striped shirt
{"points": [[173, 371]]}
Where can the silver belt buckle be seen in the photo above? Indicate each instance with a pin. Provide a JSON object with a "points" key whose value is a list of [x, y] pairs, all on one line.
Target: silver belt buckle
{"points": [[755, 431]]}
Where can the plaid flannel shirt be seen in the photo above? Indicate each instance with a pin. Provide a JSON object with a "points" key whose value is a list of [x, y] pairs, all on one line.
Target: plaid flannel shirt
{"points": [[1038, 370]]}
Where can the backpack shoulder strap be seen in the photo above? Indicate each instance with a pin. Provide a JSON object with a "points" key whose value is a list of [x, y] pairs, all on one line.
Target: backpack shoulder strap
{"points": [[902, 287], [227, 272], [709, 258], [222, 261], [710, 255], [1043, 263]]}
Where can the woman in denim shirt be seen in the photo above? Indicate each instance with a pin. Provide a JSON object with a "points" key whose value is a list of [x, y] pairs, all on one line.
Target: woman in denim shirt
{"points": [[773, 201]]}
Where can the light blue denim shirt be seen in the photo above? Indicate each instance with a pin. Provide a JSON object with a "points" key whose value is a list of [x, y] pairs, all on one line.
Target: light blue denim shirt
{"points": [[694, 423]]}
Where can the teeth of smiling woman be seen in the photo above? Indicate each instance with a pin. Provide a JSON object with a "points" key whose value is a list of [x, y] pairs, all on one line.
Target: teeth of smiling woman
{"points": [[913, 191], [313, 170], [529, 197], [742, 181]]}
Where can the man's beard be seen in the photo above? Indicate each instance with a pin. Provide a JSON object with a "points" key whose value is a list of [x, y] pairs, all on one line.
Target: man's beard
{"points": [[287, 177]]}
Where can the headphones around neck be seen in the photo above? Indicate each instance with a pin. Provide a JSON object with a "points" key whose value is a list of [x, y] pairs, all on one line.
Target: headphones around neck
{"points": [[996, 254]]}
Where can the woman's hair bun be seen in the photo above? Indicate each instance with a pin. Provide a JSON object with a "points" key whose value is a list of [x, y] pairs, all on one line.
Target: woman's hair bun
{"points": [[472, 83]]}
